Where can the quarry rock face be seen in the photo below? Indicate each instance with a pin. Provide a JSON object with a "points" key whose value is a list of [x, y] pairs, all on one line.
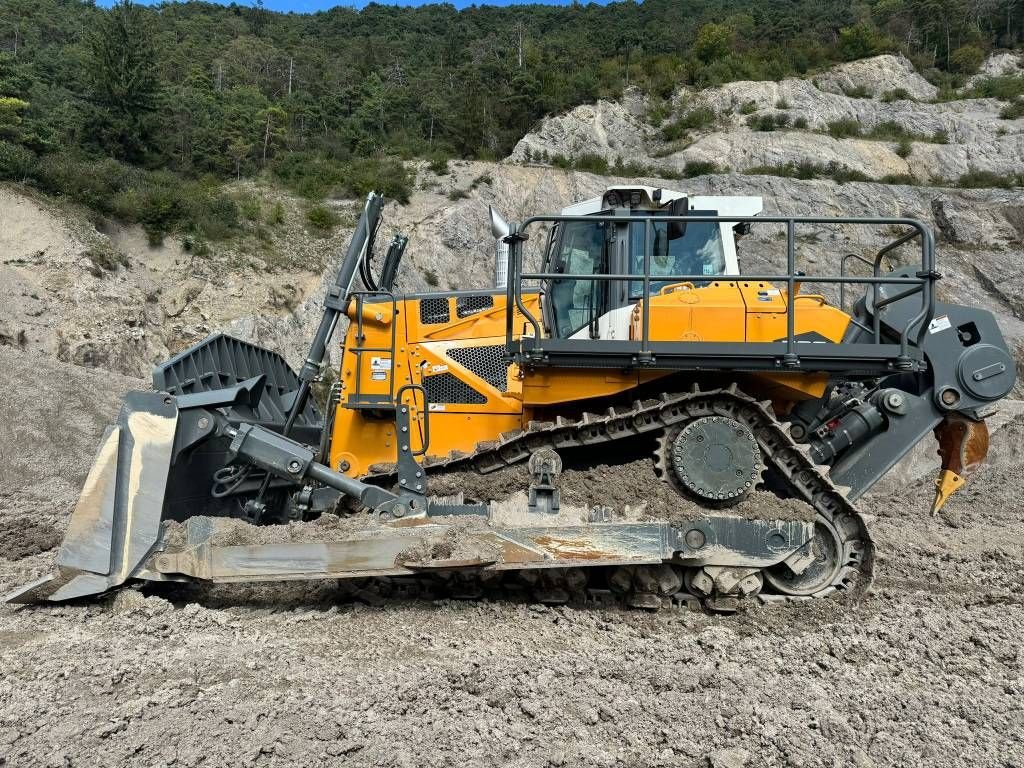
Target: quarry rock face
{"points": [[877, 75], [947, 139]]}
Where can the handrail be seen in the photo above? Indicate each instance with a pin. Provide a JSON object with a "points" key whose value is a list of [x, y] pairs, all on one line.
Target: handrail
{"points": [[923, 279], [425, 437], [359, 351]]}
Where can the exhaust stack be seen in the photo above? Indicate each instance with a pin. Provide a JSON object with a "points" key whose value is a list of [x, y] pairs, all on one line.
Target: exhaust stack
{"points": [[500, 230]]}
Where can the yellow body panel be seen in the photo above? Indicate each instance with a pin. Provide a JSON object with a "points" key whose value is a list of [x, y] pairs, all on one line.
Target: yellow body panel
{"points": [[722, 311]]}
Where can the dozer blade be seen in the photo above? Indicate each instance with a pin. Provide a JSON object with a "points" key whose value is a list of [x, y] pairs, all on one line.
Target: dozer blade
{"points": [[117, 519]]}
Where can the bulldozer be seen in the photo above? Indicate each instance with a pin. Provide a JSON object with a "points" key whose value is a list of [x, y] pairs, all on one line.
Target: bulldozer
{"points": [[622, 327]]}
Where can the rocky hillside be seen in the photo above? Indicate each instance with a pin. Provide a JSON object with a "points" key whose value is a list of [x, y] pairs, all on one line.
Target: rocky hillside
{"points": [[876, 117]]}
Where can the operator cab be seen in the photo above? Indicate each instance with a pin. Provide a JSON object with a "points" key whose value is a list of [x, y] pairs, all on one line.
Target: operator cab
{"points": [[581, 308]]}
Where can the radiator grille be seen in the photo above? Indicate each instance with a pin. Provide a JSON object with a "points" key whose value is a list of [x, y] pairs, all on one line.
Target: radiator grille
{"points": [[485, 362], [471, 305], [450, 389], [434, 310]]}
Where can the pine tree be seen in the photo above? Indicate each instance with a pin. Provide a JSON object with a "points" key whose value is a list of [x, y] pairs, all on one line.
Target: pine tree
{"points": [[123, 77]]}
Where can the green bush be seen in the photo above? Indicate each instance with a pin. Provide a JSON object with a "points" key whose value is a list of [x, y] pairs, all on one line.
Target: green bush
{"points": [[1005, 87], [941, 136], [322, 218], [748, 108], [694, 119], [276, 216], [250, 208], [700, 168], [896, 94], [904, 147], [858, 92], [900, 178], [388, 176], [843, 129], [978, 179], [438, 164], [458, 194], [16, 162], [806, 170], [1013, 110], [800, 122], [590, 162], [768, 121], [967, 59], [782, 104]]}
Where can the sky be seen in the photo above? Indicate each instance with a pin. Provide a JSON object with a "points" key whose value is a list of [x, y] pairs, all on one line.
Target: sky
{"points": [[310, 6]]}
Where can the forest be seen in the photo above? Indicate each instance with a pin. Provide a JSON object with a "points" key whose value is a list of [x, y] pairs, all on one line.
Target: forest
{"points": [[141, 112]]}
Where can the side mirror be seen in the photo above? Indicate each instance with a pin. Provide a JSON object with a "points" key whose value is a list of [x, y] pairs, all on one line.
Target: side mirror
{"points": [[678, 207]]}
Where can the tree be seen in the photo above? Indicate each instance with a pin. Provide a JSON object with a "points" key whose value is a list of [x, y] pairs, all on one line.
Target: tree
{"points": [[967, 59], [858, 42], [123, 76], [714, 41], [10, 116], [273, 128]]}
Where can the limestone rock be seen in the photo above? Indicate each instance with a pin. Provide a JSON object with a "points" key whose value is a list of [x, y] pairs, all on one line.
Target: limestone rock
{"points": [[878, 74]]}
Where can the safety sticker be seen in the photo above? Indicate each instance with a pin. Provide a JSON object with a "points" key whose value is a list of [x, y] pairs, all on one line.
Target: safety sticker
{"points": [[380, 363], [940, 323], [438, 368], [437, 406]]}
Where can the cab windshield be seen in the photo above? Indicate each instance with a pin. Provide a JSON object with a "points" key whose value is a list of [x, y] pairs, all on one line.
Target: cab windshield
{"points": [[697, 250], [579, 249]]}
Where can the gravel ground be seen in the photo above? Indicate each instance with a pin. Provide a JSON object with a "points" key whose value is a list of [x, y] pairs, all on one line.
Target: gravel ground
{"points": [[926, 670]]}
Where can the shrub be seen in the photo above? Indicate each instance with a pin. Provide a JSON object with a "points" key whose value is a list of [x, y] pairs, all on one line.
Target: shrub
{"points": [[967, 59], [482, 179], [1013, 110], [700, 168], [1005, 87], [904, 147], [16, 162], [430, 278], [782, 104], [978, 179], [800, 122], [858, 92], [888, 131], [322, 218], [694, 119], [250, 207], [748, 108], [590, 162], [438, 164], [806, 170], [896, 94], [276, 216], [388, 176], [899, 178], [843, 129], [458, 194], [941, 136], [768, 121]]}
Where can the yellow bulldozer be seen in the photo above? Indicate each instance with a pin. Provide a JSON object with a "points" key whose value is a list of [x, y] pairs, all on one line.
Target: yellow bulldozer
{"points": [[763, 409]]}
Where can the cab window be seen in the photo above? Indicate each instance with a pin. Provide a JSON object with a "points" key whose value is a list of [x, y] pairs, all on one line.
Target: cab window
{"points": [[579, 248], [695, 250]]}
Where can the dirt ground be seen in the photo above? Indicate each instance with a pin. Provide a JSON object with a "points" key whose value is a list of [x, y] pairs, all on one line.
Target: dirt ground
{"points": [[926, 670]]}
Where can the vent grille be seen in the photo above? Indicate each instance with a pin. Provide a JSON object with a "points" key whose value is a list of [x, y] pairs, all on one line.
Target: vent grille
{"points": [[434, 310], [448, 388], [485, 362], [471, 305]]}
